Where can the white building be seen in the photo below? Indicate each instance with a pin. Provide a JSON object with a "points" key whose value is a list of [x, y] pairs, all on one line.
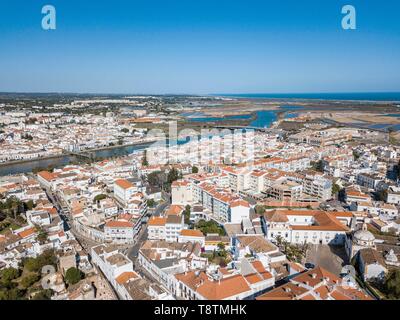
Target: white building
{"points": [[193, 236], [393, 196], [119, 232], [123, 190], [173, 227], [307, 226], [156, 228], [111, 262], [181, 192]]}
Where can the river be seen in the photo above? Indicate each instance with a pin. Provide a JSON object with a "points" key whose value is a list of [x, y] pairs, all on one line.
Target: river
{"points": [[264, 119], [56, 162]]}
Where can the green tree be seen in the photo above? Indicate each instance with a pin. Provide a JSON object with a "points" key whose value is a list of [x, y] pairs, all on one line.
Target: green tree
{"points": [[356, 155], [13, 206], [156, 178], [186, 214], [99, 197], [382, 195], [16, 294], [29, 280], [259, 209], [42, 237], [173, 175], [335, 188], [36, 264], [195, 169], [73, 276], [151, 203], [32, 264], [29, 205], [3, 295], [8, 275], [43, 295], [207, 227], [318, 166], [125, 130], [221, 250], [392, 285], [397, 170], [145, 162]]}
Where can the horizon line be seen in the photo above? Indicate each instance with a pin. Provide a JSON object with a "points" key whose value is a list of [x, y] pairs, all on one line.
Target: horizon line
{"points": [[197, 94]]}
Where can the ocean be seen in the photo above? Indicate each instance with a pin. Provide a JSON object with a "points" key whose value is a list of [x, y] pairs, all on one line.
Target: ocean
{"points": [[356, 96]]}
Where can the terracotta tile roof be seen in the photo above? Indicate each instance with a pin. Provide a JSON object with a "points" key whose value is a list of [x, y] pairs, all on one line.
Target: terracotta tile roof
{"points": [[27, 233], [253, 278], [225, 288], [256, 243], [192, 233], [323, 220], [157, 221], [307, 297], [288, 291], [124, 184], [343, 214], [296, 266], [316, 284], [238, 203], [182, 183], [119, 224], [213, 289], [125, 277], [47, 175], [316, 276], [175, 210], [125, 216]]}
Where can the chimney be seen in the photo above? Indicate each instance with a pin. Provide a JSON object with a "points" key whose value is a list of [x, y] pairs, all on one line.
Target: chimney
{"points": [[314, 276]]}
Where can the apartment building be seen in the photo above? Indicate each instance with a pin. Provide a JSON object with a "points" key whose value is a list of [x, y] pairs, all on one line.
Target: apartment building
{"points": [[182, 192], [156, 228], [316, 185], [123, 190], [322, 138], [370, 181], [173, 227], [119, 232], [286, 190]]}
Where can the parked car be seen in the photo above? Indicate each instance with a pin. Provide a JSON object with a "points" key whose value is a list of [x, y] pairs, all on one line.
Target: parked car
{"points": [[309, 265]]}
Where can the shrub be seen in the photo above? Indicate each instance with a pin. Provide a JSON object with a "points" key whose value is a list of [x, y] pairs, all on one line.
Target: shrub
{"points": [[73, 276]]}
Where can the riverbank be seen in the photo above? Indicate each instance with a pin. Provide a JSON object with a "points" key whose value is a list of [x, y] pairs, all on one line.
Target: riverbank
{"points": [[85, 152], [28, 166]]}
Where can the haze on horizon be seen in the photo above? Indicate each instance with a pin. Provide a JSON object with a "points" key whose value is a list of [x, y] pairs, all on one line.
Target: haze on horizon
{"points": [[200, 47]]}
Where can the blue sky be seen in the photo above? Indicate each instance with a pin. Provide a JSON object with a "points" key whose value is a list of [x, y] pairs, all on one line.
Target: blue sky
{"points": [[199, 46]]}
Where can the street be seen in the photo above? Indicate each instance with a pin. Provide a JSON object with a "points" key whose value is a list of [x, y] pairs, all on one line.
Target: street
{"points": [[132, 252]]}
